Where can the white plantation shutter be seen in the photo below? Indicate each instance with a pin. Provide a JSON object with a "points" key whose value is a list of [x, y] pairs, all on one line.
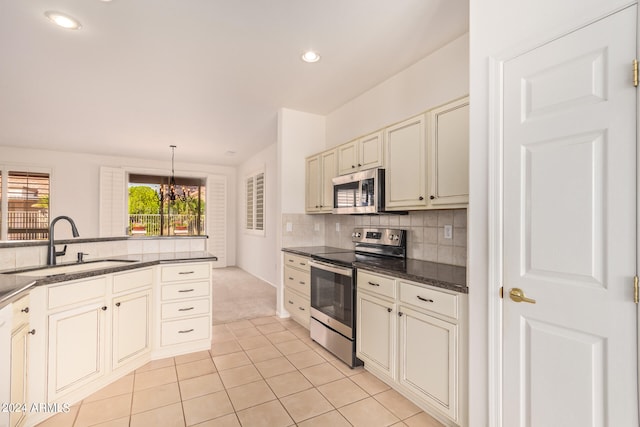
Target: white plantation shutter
{"points": [[113, 202], [254, 206], [217, 218], [250, 206], [259, 205]]}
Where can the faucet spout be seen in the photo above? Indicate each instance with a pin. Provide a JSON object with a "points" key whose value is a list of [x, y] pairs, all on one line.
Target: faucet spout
{"points": [[51, 250]]}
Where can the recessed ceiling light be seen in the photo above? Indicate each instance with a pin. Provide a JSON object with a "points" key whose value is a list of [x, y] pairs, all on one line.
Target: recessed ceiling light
{"points": [[63, 20], [310, 56]]}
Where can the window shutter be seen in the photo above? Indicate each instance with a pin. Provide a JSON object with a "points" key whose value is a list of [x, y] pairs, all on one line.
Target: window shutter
{"points": [[259, 222], [250, 206], [217, 218], [113, 202]]}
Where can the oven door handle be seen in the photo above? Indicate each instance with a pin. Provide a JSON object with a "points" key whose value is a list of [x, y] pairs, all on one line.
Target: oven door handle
{"points": [[331, 268]]}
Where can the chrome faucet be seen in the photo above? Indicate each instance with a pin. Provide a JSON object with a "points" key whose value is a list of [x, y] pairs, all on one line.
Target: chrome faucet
{"points": [[51, 251]]}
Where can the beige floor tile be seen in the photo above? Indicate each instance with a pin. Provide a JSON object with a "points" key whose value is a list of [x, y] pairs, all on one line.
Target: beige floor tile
{"points": [[122, 386], [156, 364], [290, 347], [253, 342], [192, 357], [120, 422], [225, 347], [270, 414], [154, 378], [342, 392], [289, 383], [155, 397], [297, 329], [281, 337], [199, 386], [248, 395], [219, 328], [246, 333], [305, 359], [238, 376], [346, 369], [369, 383], [271, 328], [261, 354], [399, 405], [321, 374], [306, 404], [63, 419], [333, 419], [222, 336], [104, 410], [240, 324], [273, 367], [423, 420], [368, 413], [195, 369], [400, 424], [264, 320], [231, 360], [230, 420], [206, 407], [166, 416]]}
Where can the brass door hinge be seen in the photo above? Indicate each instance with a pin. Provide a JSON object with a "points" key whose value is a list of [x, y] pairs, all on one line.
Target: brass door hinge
{"points": [[635, 72], [635, 289]]}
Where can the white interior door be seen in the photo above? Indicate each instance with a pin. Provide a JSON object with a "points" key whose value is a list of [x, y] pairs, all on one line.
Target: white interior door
{"points": [[569, 231]]}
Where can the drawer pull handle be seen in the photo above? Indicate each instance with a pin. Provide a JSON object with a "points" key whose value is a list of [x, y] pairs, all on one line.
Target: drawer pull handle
{"points": [[186, 331], [300, 308], [303, 263], [186, 272], [290, 278], [373, 284], [25, 310], [186, 290], [291, 260], [185, 309], [302, 283], [424, 299], [290, 302]]}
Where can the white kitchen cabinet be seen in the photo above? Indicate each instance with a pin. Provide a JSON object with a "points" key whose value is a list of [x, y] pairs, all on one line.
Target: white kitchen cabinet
{"points": [[131, 326], [6, 316], [406, 176], [361, 154], [297, 287], [448, 147], [376, 333], [19, 362], [320, 170]]}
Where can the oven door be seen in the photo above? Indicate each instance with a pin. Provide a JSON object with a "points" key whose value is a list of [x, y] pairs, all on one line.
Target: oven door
{"points": [[332, 297]]}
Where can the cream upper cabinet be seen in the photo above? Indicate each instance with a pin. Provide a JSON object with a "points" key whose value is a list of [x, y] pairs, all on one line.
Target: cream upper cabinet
{"points": [[364, 153], [320, 170], [405, 180], [448, 147]]}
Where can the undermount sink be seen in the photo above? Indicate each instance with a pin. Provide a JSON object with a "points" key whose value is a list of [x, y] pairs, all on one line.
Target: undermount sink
{"points": [[73, 268]]}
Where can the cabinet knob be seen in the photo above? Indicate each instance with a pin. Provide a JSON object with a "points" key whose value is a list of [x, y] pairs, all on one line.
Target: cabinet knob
{"points": [[104, 308], [389, 310], [432, 197], [420, 198], [118, 304], [25, 310], [353, 166], [32, 332], [359, 165], [400, 314]]}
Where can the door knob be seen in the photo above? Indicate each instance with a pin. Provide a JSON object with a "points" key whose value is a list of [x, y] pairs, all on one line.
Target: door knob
{"points": [[517, 295]]}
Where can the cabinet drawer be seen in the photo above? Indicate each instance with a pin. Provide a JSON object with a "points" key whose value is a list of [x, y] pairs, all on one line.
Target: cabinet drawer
{"points": [[381, 285], [185, 308], [21, 312], [171, 273], [132, 279], [297, 306], [430, 299], [73, 293], [185, 290], [296, 279], [296, 261], [181, 331]]}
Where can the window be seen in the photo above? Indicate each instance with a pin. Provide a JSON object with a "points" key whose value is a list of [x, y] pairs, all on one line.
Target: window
{"points": [[157, 208], [24, 205], [254, 185]]}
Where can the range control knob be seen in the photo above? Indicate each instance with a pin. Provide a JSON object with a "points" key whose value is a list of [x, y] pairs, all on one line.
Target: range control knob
{"points": [[394, 237], [356, 234]]}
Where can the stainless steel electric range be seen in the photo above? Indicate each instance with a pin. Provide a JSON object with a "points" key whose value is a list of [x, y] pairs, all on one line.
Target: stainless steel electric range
{"points": [[333, 289]]}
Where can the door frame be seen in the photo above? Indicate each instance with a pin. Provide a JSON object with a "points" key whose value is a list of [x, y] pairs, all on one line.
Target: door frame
{"points": [[495, 205]]}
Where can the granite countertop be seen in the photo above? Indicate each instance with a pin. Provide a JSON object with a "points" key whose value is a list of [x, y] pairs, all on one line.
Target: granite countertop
{"points": [[12, 285], [443, 276]]}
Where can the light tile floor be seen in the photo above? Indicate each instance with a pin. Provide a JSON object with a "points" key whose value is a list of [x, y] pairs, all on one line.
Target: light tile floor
{"points": [[259, 372]]}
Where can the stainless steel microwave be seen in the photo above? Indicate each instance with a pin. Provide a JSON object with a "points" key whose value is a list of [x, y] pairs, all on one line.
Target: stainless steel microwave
{"points": [[359, 193]]}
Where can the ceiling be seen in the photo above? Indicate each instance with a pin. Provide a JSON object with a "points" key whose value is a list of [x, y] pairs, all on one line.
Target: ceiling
{"points": [[206, 75]]}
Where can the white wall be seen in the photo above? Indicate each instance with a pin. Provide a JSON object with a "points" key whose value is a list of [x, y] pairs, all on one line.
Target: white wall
{"points": [[258, 254], [430, 82], [498, 28], [75, 184]]}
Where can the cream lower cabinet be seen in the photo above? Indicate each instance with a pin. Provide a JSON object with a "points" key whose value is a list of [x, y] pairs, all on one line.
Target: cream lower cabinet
{"points": [[297, 287], [409, 336], [19, 362]]}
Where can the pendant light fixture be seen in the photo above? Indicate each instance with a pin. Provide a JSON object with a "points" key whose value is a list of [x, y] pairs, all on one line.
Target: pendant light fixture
{"points": [[170, 192]]}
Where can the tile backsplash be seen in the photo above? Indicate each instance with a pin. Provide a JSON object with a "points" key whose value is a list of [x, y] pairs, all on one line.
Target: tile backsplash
{"points": [[425, 232]]}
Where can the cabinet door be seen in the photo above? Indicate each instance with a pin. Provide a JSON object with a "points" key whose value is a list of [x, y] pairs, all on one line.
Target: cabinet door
{"points": [[348, 158], [449, 153], [131, 326], [428, 359], [313, 176], [19, 363], [375, 333], [329, 171], [371, 151], [405, 181], [76, 348]]}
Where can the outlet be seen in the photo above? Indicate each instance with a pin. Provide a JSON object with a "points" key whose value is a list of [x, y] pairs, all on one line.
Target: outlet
{"points": [[448, 232], [289, 226], [337, 226]]}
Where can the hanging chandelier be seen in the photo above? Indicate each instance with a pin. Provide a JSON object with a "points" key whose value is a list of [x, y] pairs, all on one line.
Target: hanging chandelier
{"points": [[170, 192]]}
